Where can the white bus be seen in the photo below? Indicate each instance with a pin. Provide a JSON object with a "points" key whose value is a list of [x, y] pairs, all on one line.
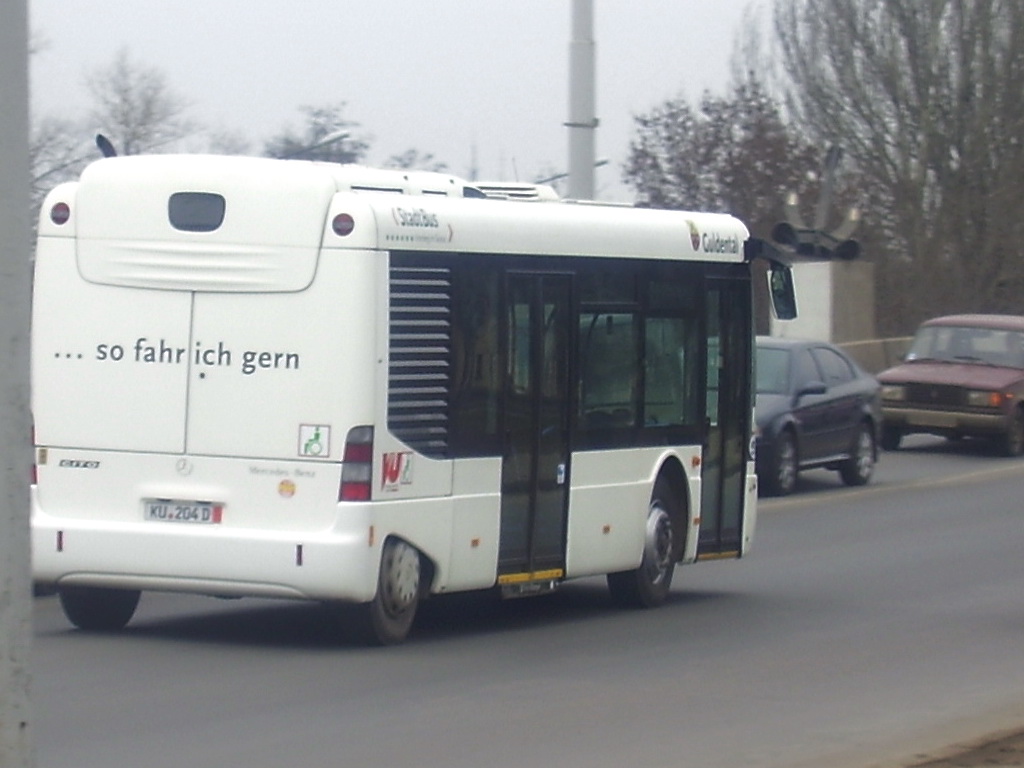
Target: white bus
{"points": [[279, 378]]}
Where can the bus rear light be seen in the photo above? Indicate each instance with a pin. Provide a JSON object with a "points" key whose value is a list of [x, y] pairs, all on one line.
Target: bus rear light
{"points": [[354, 492], [60, 213], [360, 453], [357, 465]]}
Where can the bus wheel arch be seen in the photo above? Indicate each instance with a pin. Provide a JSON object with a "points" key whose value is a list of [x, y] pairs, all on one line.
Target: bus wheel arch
{"points": [[647, 585], [674, 476]]}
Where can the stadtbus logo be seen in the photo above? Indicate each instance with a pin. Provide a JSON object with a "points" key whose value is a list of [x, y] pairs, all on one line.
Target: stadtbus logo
{"points": [[414, 218]]}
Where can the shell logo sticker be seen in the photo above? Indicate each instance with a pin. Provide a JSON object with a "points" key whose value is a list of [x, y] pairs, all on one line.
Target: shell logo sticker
{"points": [[396, 470], [286, 488]]}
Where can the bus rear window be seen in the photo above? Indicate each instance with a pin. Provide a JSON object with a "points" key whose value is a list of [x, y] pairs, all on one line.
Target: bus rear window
{"points": [[195, 211]]}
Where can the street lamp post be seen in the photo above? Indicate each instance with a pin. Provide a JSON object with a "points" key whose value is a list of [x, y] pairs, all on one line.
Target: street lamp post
{"points": [[330, 138], [582, 122]]}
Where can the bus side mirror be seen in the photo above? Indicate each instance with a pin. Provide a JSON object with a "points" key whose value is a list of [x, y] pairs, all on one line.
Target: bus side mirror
{"points": [[781, 291]]}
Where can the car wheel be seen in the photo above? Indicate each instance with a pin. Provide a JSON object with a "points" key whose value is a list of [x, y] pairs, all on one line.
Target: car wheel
{"points": [[647, 586], [98, 609], [891, 437], [388, 617], [781, 477], [1013, 440], [857, 469]]}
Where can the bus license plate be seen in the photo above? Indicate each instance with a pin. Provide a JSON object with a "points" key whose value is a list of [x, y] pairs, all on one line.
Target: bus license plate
{"points": [[173, 511]]}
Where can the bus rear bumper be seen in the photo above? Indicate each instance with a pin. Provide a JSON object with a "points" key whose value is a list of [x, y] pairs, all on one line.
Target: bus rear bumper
{"points": [[326, 565]]}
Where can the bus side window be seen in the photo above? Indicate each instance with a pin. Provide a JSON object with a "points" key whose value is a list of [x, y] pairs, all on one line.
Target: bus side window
{"points": [[475, 376], [609, 359], [669, 367]]}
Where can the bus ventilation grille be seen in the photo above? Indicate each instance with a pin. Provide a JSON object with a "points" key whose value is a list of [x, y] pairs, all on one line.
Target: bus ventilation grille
{"points": [[502, 190], [420, 357]]}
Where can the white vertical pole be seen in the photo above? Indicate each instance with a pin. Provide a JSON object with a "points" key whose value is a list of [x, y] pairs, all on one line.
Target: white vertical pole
{"points": [[15, 450], [582, 103]]}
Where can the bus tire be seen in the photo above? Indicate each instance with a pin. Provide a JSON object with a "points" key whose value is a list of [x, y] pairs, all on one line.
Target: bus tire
{"points": [[648, 585], [388, 617], [98, 609]]}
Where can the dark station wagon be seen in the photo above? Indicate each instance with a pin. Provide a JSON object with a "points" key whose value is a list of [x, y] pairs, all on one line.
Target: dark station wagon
{"points": [[963, 377]]}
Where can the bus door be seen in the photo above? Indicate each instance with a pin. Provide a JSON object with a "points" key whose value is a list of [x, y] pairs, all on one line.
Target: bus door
{"points": [[728, 411], [535, 465]]}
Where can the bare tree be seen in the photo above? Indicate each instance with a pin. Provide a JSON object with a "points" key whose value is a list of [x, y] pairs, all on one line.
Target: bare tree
{"points": [[413, 159], [135, 107], [926, 99], [58, 150], [227, 142], [326, 136], [734, 154]]}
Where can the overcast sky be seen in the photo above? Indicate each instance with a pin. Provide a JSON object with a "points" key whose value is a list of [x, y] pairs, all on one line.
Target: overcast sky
{"points": [[446, 77]]}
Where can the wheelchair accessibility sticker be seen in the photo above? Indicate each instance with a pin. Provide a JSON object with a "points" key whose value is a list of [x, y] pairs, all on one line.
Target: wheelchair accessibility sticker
{"points": [[314, 440]]}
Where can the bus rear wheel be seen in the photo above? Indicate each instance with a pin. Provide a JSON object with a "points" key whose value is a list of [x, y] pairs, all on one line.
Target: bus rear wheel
{"points": [[388, 617], [647, 586], [98, 609]]}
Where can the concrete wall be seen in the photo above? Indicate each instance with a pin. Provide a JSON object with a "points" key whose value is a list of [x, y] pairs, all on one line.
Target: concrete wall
{"points": [[835, 302], [812, 283], [853, 300], [875, 355]]}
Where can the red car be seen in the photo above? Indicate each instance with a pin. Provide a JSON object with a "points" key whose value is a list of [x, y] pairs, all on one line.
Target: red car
{"points": [[963, 377]]}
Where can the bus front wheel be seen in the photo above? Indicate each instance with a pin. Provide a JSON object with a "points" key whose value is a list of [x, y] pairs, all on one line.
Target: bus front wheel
{"points": [[647, 586]]}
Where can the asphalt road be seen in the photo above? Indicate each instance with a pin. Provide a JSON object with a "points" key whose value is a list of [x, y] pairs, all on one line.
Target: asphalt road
{"points": [[869, 626]]}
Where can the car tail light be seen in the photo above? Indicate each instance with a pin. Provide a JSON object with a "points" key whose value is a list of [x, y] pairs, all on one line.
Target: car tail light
{"points": [[357, 465]]}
